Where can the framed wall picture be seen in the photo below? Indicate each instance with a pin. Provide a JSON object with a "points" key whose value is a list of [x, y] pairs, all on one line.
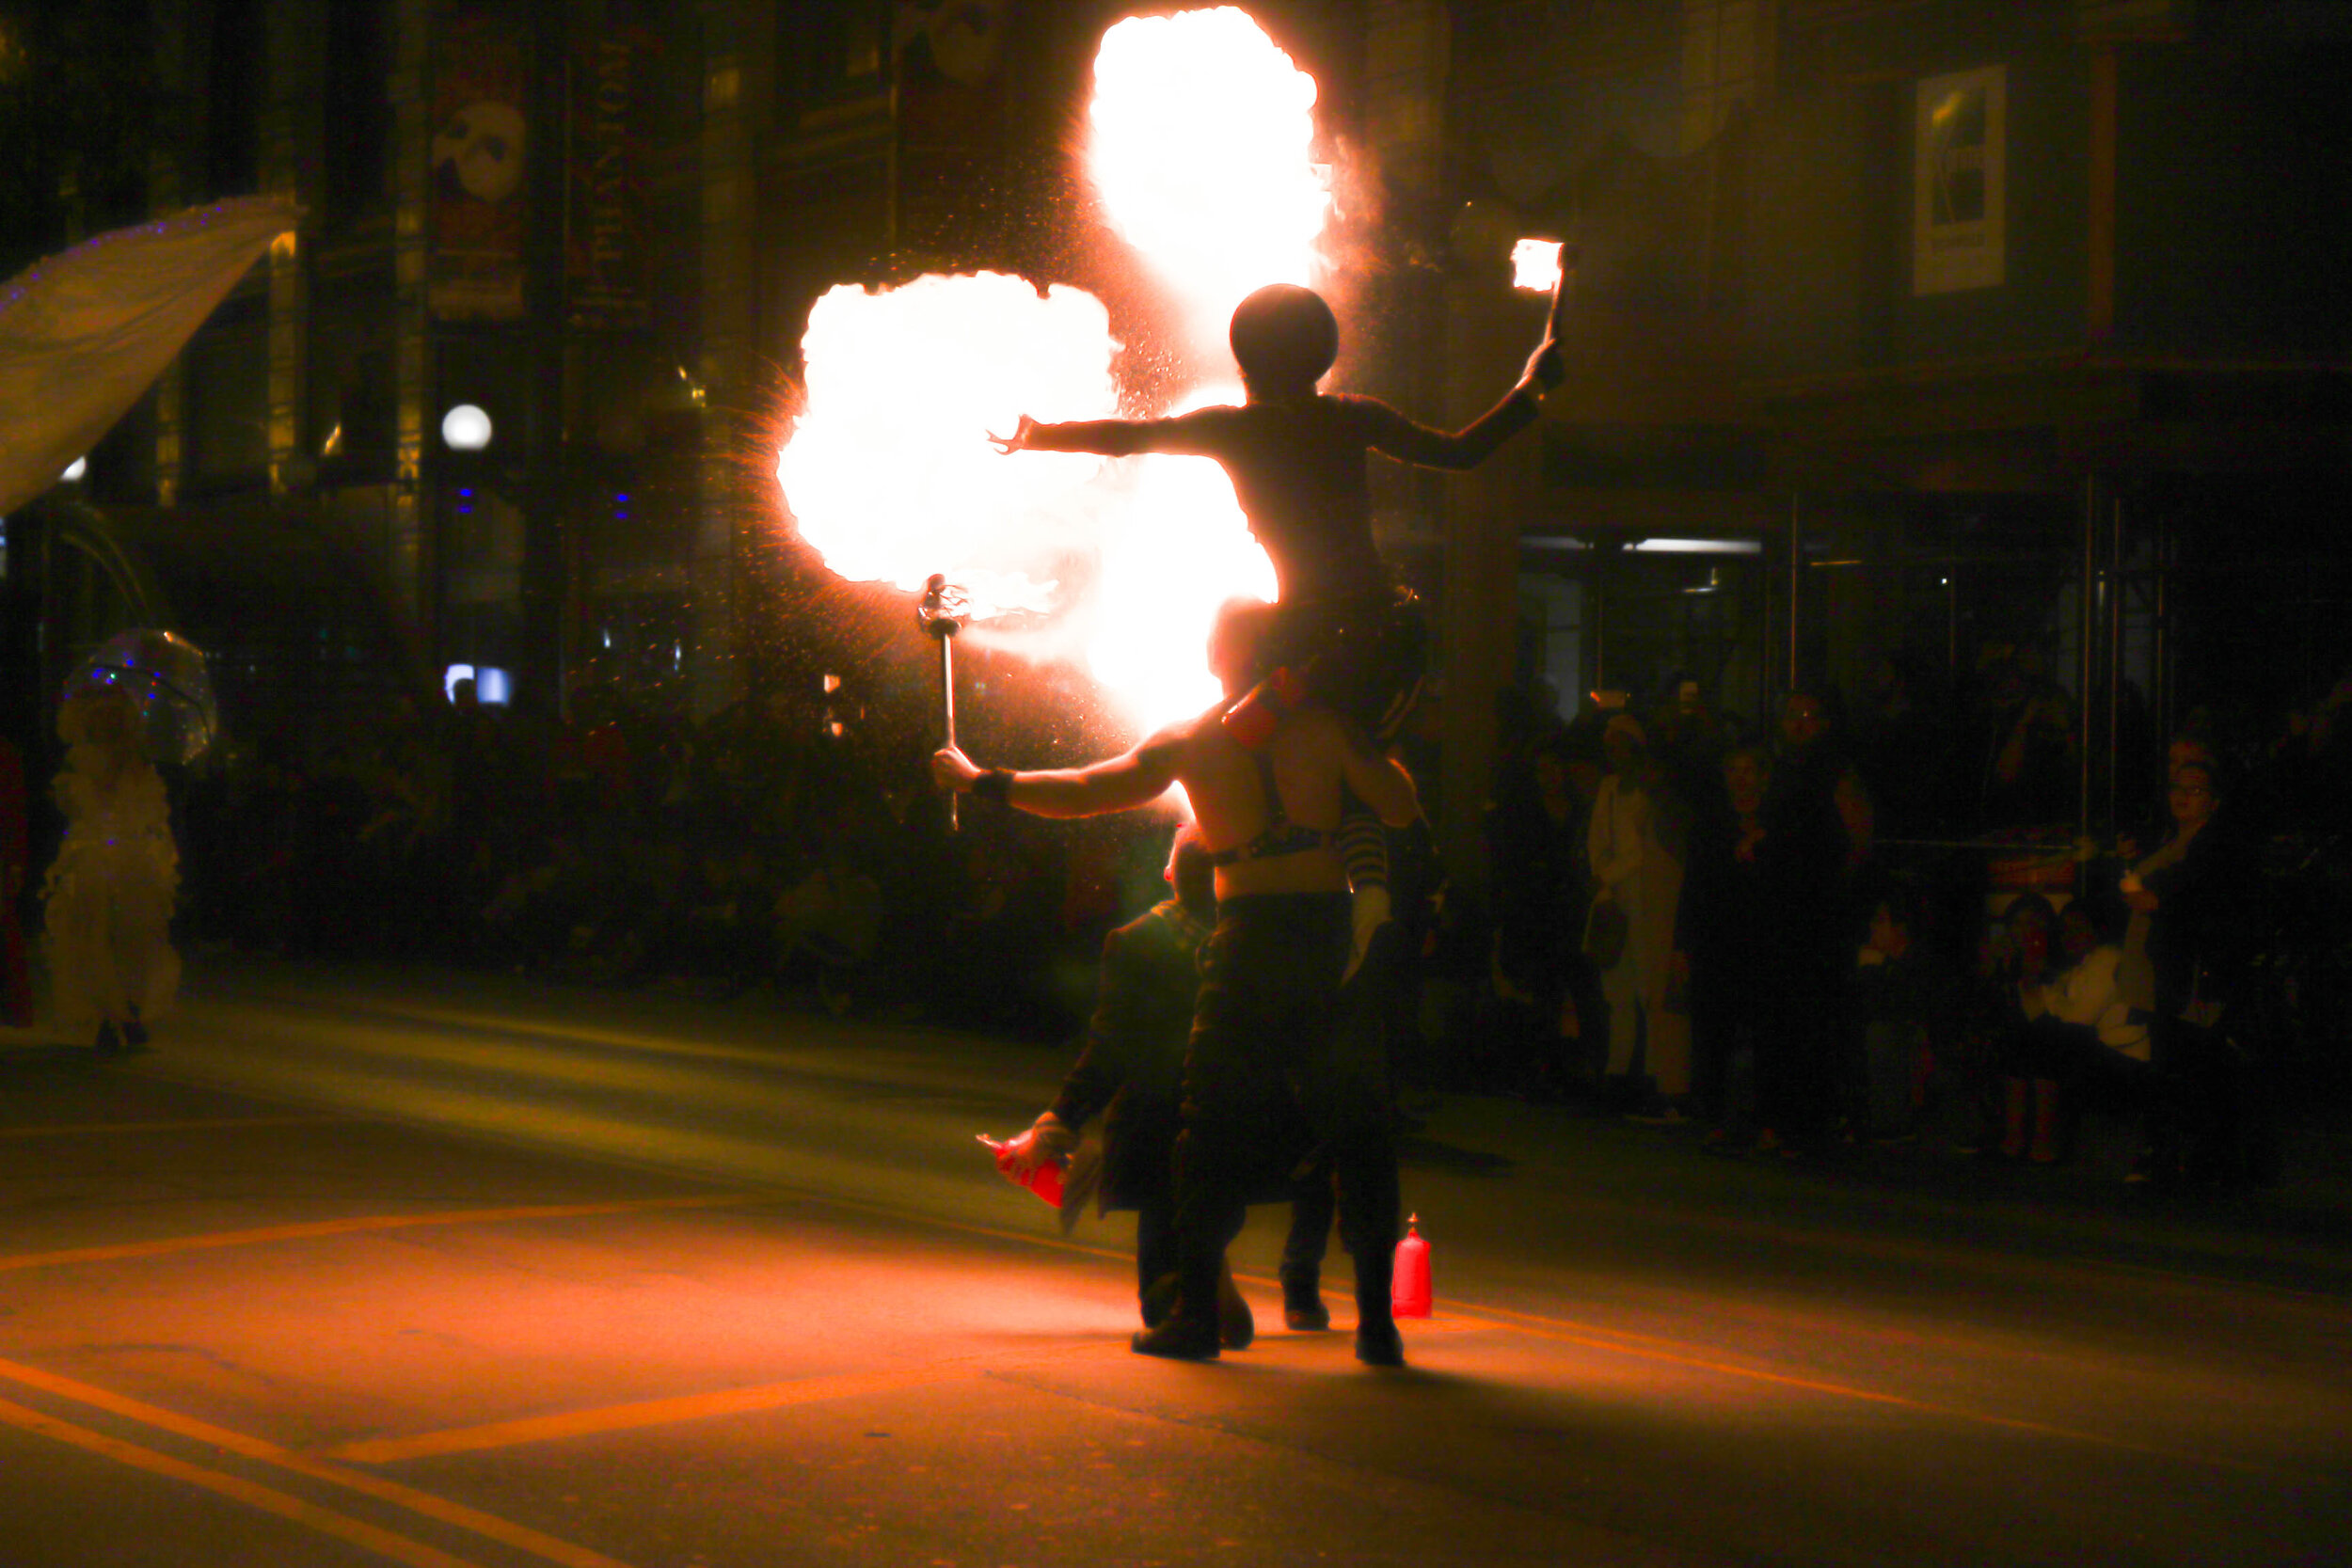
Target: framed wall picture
{"points": [[1959, 177]]}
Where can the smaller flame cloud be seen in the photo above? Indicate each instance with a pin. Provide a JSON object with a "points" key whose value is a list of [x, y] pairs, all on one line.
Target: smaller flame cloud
{"points": [[888, 471]]}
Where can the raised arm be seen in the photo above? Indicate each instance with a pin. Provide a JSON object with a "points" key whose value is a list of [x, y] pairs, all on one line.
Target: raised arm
{"points": [[1411, 442], [1123, 782]]}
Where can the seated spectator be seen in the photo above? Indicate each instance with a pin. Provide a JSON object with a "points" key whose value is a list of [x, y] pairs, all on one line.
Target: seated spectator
{"points": [[2088, 1049]]}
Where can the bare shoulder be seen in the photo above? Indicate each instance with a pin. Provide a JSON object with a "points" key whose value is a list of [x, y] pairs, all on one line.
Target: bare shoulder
{"points": [[1174, 745]]}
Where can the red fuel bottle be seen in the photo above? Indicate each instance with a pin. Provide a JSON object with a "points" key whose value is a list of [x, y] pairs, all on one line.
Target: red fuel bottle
{"points": [[1408, 1293], [1045, 1180]]}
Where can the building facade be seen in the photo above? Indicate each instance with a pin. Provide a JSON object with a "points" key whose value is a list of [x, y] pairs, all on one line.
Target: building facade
{"points": [[1921, 332]]}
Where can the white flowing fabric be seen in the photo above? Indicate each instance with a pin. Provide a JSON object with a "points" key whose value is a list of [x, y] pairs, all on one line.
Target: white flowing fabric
{"points": [[82, 334], [108, 898]]}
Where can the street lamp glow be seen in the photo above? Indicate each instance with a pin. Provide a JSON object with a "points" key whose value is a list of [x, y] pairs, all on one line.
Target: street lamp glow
{"points": [[466, 428]]}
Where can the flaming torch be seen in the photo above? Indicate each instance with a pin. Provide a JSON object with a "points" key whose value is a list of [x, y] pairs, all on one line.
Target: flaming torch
{"points": [[941, 614]]}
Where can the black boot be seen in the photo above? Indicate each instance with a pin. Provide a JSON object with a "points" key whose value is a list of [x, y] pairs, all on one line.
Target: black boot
{"points": [[1235, 1326], [1180, 1338], [1303, 1311], [1378, 1343]]}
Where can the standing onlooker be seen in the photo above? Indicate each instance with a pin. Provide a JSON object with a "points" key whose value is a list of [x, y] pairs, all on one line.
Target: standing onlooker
{"points": [[1535, 833], [1637, 880], [1902, 1004], [2187, 957], [1809, 925], [1722, 937], [107, 903]]}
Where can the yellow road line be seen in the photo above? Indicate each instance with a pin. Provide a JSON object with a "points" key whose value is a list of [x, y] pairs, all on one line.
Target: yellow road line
{"points": [[166, 1246], [399, 1549], [1670, 1353], [653, 1413], [217, 1123], [521, 1537]]}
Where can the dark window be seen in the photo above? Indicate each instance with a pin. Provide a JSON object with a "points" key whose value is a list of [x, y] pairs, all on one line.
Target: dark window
{"points": [[226, 418], [833, 48], [358, 108], [236, 83]]}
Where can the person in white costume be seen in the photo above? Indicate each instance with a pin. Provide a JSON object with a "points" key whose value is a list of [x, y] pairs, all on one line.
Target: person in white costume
{"points": [[109, 901]]}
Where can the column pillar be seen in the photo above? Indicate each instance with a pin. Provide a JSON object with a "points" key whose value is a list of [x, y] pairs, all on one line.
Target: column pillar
{"points": [[728, 317]]}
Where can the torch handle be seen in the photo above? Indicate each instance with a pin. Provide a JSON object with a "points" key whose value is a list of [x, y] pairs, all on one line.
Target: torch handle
{"points": [[1560, 290], [948, 708]]}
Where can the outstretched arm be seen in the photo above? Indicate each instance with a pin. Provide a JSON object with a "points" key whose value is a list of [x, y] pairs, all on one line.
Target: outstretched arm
{"points": [[1184, 433], [1121, 783]]}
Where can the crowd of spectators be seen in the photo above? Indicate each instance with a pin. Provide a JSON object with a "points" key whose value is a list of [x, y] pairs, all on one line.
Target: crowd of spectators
{"points": [[1836, 931], [1825, 931], [773, 847]]}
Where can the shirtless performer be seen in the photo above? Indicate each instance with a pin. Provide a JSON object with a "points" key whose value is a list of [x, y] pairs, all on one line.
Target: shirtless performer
{"points": [[1297, 460], [1262, 1029]]}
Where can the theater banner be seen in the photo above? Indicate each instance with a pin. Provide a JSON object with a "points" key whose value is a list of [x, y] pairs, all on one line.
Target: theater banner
{"points": [[605, 234], [1959, 179], [480, 201]]}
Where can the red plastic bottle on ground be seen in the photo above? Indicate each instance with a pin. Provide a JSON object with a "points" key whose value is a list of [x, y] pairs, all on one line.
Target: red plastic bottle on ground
{"points": [[1409, 1289], [1045, 1180]]}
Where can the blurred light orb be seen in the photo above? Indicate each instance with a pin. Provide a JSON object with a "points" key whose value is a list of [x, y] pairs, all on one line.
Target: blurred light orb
{"points": [[74, 470], [466, 428]]}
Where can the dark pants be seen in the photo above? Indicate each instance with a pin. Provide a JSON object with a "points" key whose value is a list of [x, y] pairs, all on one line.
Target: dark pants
{"points": [[1265, 1055]]}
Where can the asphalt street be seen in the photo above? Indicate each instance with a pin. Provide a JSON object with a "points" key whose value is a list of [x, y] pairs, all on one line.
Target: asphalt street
{"points": [[369, 1265]]}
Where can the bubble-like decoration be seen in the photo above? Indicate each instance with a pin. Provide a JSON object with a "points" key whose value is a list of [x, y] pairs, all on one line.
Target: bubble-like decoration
{"points": [[166, 674]]}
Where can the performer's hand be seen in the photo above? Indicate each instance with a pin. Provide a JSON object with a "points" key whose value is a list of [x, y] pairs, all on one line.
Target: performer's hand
{"points": [[952, 773], [1545, 369], [1048, 1142], [1018, 440]]}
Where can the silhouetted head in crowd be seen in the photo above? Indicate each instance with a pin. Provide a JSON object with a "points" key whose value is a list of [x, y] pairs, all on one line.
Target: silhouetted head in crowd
{"points": [[1897, 921], [1805, 719], [2193, 793], [1747, 775], [2032, 933]]}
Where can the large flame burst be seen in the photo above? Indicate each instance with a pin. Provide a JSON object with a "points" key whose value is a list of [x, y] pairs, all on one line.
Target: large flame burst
{"points": [[1201, 150]]}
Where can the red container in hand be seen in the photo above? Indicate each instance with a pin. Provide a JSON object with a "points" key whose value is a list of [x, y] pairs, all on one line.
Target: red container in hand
{"points": [[1044, 1179]]}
